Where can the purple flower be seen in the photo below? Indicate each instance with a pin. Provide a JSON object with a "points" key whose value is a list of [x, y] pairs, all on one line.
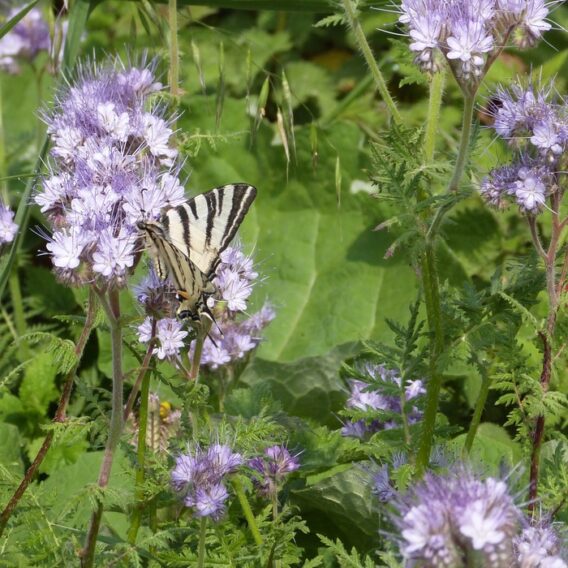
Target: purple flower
{"points": [[25, 40], [468, 43], [8, 228], [199, 476], [530, 189], [208, 502], [444, 516], [111, 165], [382, 487], [272, 468], [382, 393], [233, 337], [539, 546], [155, 294], [466, 33]]}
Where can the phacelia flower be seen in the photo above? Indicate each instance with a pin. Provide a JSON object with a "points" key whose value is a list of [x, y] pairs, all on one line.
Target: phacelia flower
{"points": [[25, 40], [272, 468], [444, 516], [535, 124], [108, 170], [198, 476], [169, 333], [8, 228], [233, 336], [468, 33], [539, 546], [383, 394]]}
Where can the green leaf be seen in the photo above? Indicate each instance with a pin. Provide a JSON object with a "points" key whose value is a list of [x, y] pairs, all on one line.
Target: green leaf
{"points": [[10, 456], [38, 390], [298, 384], [341, 506], [492, 447], [15, 19], [325, 268]]}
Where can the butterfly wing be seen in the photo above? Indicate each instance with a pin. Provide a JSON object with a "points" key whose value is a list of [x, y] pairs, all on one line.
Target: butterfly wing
{"points": [[202, 228]]}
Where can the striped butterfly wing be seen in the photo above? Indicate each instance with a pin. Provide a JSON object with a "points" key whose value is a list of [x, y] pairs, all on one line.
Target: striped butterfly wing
{"points": [[203, 228], [171, 262]]}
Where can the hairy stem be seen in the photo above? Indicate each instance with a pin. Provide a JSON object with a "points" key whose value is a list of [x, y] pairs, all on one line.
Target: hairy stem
{"points": [[141, 454], [547, 338], [365, 48], [478, 411], [112, 310], [463, 152], [434, 315], [59, 414], [141, 374], [201, 548], [247, 511], [199, 341], [437, 84]]}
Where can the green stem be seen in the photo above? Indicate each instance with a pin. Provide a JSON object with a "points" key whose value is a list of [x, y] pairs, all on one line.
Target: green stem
{"points": [[478, 411], [199, 341], [468, 108], [112, 310], [202, 535], [174, 50], [370, 59], [437, 84], [245, 506], [433, 312], [141, 452]]}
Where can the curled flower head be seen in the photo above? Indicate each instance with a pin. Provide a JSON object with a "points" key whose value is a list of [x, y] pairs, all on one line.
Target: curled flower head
{"points": [[111, 165], [443, 516], [199, 477], [272, 468], [382, 393], [25, 40], [8, 228]]}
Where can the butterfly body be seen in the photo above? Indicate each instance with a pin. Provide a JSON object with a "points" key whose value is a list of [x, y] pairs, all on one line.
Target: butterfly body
{"points": [[186, 243]]}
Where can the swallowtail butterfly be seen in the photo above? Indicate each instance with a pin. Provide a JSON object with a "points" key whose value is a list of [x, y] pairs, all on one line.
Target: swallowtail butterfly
{"points": [[186, 242]]}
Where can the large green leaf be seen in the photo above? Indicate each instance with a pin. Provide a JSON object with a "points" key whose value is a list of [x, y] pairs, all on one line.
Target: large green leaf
{"points": [[325, 267], [342, 506], [10, 456], [298, 384]]}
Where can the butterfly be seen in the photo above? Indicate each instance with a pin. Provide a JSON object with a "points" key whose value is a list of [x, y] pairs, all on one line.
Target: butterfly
{"points": [[186, 243]]}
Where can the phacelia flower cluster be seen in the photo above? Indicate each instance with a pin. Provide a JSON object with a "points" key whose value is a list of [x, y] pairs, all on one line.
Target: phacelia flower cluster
{"points": [[233, 335], [170, 336], [447, 520], [25, 40], [112, 164], [535, 124], [272, 468], [8, 228], [382, 393], [469, 33], [199, 478]]}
